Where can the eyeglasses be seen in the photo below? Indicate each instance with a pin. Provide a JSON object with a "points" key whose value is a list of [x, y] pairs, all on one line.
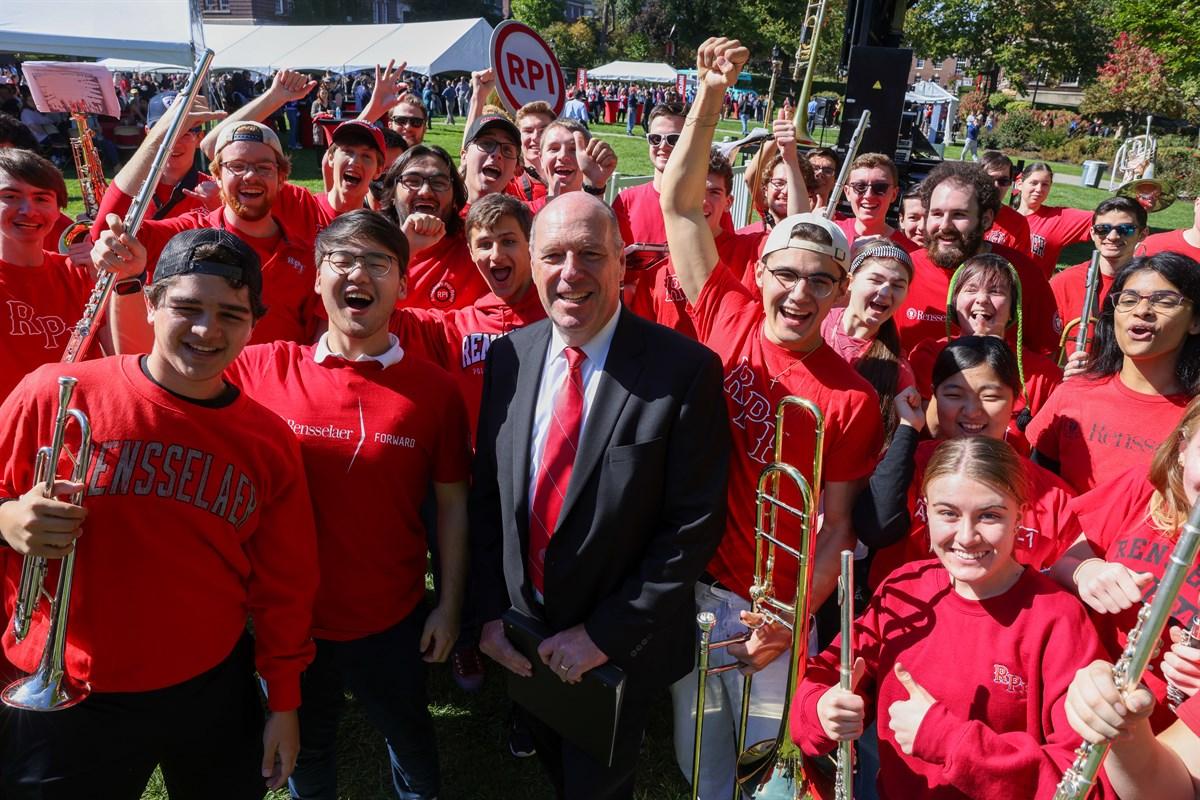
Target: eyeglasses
{"points": [[1128, 300], [823, 170], [490, 146], [415, 180], [777, 183], [1002, 183], [820, 285], [412, 122], [877, 188], [656, 139], [376, 264], [264, 168], [1123, 229]]}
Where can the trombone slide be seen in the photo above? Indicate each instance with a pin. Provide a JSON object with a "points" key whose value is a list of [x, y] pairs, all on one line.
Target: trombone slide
{"points": [[843, 786]]}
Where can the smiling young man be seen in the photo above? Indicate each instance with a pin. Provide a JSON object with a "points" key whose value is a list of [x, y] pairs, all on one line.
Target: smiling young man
{"points": [[960, 201], [637, 207], [871, 189], [410, 119], [196, 518], [769, 348], [572, 161], [380, 427], [1009, 228], [42, 294], [250, 167], [532, 119], [1118, 227], [490, 156]]}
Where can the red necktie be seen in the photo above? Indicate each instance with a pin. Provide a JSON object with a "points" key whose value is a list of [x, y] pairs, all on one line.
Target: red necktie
{"points": [[558, 459]]}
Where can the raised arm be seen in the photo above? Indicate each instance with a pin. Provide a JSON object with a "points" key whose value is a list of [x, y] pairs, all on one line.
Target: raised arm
{"points": [[287, 85], [131, 177], [389, 88], [693, 250], [785, 137], [482, 84]]}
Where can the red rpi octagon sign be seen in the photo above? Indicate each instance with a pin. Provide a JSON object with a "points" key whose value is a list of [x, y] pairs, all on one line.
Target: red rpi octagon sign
{"points": [[525, 68]]}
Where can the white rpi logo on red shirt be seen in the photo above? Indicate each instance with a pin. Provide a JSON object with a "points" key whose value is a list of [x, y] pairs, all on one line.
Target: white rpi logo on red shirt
{"points": [[754, 413], [1012, 683]]}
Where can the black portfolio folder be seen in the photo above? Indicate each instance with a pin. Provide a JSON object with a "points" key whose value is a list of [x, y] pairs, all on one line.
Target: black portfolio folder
{"points": [[584, 713]]}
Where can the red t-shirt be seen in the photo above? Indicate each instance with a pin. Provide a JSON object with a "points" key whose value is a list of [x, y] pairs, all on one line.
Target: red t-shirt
{"points": [[525, 188], [640, 215], [1011, 230], [923, 314], [1115, 519], [1070, 290], [458, 340], [1097, 429], [853, 350], [294, 309], [443, 276], [1172, 241], [198, 517], [117, 202], [998, 670], [40, 307], [381, 436], [758, 374], [1047, 526], [304, 213], [1051, 228], [896, 237]]}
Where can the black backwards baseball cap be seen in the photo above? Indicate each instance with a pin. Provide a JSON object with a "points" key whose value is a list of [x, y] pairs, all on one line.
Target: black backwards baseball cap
{"points": [[179, 258], [497, 121]]}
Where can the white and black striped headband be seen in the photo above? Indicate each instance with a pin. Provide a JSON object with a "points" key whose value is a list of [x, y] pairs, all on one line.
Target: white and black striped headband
{"points": [[881, 250]]}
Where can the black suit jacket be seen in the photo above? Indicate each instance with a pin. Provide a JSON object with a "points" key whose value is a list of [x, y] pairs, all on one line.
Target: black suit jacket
{"points": [[645, 506]]}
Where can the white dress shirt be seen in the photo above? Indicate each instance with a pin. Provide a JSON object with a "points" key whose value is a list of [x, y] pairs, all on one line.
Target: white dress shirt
{"points": [[554, 372]]}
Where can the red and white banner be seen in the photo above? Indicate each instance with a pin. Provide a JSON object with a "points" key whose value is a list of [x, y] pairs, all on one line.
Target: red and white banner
{"points": [[581, 79]]}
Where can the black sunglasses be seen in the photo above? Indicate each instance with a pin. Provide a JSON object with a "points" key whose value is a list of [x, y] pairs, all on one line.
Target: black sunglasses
{"points": [[412, 122], [655, 139], [877, 188], [1123, 229]]}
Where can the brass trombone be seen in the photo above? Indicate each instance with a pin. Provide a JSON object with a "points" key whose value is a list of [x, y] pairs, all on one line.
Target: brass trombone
{"points": [[772, 768], [50, 688]]}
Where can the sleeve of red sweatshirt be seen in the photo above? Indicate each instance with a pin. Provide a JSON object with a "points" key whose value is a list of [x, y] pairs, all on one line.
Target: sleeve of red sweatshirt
{"points": [[283, 585], [823, 672], [985, 764], [153, 234]]}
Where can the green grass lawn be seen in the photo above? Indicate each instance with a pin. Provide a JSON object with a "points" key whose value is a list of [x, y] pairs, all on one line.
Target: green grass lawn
{"points": [[471, 728]]}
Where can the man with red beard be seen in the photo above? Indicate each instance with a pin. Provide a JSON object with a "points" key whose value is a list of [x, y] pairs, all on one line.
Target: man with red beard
{"points": [[871, 189], [250, 168], [572, 161], [960, 202], [355, 156]]}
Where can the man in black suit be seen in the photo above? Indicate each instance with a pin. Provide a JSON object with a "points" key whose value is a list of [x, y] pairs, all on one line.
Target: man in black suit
{"points": [[643, 506]]}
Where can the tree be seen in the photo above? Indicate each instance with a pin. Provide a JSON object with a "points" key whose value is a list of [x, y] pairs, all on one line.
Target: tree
{"points": [[1171, 29], [574, 45], [538, 14], [1023, 38], [1132, 83]]}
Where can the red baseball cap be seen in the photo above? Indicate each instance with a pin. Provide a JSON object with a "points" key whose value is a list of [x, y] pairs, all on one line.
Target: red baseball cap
{"points": [[357, 131]]}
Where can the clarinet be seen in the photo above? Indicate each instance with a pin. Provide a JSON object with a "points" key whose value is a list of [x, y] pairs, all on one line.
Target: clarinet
{"points": [[1143, 640], [1191, 635], [843, 786]]}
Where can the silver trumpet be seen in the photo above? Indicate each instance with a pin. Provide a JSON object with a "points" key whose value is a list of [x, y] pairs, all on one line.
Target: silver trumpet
{"points": [[50, 688]]}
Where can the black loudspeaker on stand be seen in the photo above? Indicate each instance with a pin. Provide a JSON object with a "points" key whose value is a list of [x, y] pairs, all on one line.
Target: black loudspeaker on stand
{"points": [[876, 81]]}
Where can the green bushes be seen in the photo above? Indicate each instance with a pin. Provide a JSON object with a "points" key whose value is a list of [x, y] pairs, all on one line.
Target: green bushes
{"points": [[1181, 167], [1082, 148]]}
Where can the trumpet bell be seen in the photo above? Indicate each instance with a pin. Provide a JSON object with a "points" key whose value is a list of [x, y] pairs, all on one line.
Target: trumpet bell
{"points": [[765, 772], [1151, 194], [730, 149], [73, 234], [45, 690]]}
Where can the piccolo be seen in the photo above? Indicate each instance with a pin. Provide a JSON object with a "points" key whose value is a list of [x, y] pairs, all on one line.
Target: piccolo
{"points": [[1089, 302], [843, 786], [1140, 647]]}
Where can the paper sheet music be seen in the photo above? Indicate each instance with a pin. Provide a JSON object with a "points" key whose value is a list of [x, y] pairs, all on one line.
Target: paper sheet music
{"points": [[63, 86]]}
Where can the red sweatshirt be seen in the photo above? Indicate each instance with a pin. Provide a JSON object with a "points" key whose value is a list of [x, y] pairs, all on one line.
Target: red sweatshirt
{"points": [[444, 276], [198, 517], [1010, 229], [38, 308], [998, 670], [372, 438], [458, 340]]}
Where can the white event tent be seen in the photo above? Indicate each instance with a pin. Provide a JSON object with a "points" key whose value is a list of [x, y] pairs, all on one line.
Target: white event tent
{"points": [[643, 71], [159, 34]]}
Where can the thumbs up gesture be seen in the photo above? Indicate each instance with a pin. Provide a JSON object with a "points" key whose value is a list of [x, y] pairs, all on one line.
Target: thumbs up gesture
{"points": [[597, 160], [842, 712], [906, 715]]}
